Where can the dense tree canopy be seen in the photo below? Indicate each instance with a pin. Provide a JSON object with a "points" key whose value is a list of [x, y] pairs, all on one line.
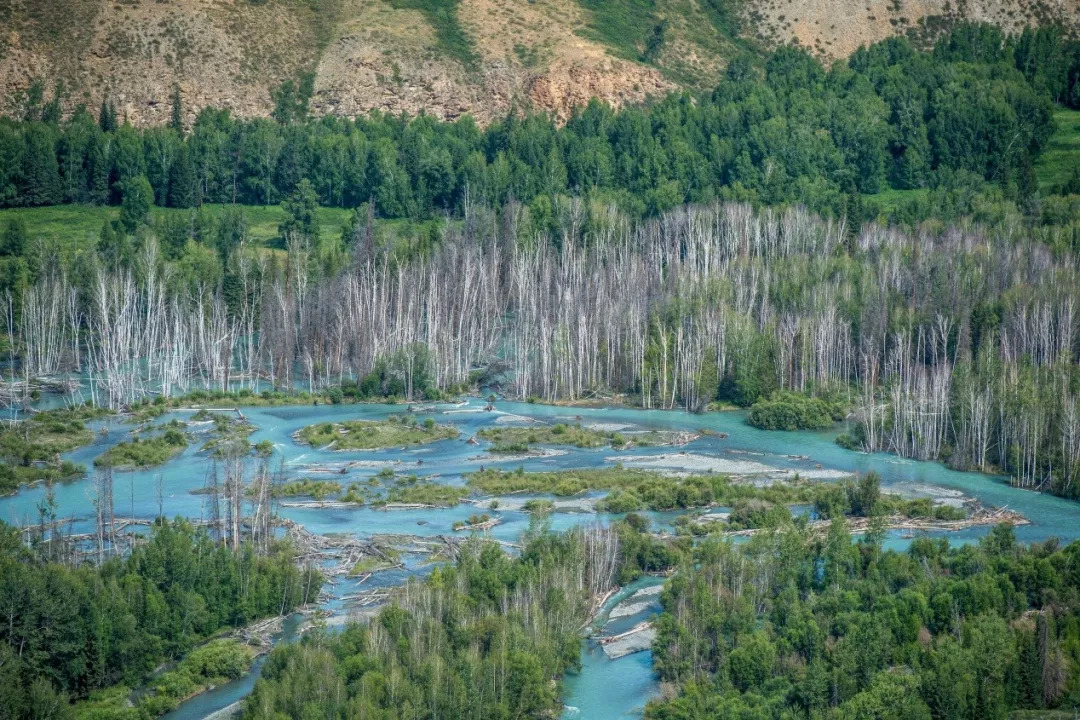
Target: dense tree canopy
{"points": [[488, 636], [790, 626], [68, 631], [974, 109]]}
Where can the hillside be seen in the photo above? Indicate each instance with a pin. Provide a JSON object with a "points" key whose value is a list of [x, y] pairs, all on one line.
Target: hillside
{"points": [[444, 57]]}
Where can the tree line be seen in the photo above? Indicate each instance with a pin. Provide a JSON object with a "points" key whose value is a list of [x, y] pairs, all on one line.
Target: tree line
{"points": [[795, 626], [975, 109]]}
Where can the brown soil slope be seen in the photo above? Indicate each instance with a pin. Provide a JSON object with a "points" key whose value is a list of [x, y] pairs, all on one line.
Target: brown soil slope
{"points": [[379, 54]]}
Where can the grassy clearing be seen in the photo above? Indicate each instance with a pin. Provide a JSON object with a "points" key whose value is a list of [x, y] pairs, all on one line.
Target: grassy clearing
{"points": [[144, 453], [1061, 157], [78, 226], [374, 434]]}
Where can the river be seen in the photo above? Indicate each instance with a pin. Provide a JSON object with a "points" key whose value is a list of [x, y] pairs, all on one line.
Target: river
{"points": [[603, 689]]}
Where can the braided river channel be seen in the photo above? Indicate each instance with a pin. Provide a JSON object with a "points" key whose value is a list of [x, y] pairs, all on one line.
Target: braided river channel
{"points": [[604, 689]]}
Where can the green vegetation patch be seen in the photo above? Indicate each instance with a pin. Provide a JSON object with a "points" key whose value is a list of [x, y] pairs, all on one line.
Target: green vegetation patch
{"points": [[78, 226], [649, 489], [31, 448], [49, 432], [424, 492], [795, 411], [752, 505], [144, 452], [309, 487], [521, 439], [538, 505], [473, 521], [212, 664], [633, 489], [629, 27], [443, 16], [395, 431], [172, 593], [472, 620], [229, 436], [386, 559]]}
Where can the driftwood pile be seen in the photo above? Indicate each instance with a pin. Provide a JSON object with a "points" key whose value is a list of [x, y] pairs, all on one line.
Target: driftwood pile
{"points": [[335, 556], [638, 638]]}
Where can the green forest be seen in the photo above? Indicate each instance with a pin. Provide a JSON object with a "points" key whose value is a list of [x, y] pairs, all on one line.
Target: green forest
{"points": [[88, 634], [967, 119], [487, 636], [793, 626], [790, 624]]}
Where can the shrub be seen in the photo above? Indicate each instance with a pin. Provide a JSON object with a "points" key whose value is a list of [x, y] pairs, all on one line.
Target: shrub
{"points": [[793, 411]]}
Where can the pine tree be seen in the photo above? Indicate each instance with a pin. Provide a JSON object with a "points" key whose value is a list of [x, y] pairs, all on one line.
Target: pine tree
{"points": [[100, 171], [51, 111], [15, 238], [114, 246], [138, 199], [176, 120], [40, 171], [107, 116], [183, 192]]}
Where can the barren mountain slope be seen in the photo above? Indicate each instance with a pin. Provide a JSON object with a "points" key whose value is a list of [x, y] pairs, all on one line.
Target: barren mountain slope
{"points": [[835, 28], [443, 57], [525, 54], [226, 54]]}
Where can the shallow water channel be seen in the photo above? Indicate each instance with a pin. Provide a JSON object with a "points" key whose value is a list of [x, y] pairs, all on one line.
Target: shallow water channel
{"points": [[604, 689]]}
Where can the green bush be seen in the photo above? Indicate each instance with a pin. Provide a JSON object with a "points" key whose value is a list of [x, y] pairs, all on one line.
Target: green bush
{"points": [[793, 411]]}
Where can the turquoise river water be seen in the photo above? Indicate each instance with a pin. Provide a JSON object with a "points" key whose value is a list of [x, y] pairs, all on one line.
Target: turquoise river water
{"points": [[603, 689]]}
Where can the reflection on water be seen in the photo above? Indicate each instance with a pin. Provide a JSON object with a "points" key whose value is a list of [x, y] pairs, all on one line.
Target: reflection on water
{"points": [[604, 689]]}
